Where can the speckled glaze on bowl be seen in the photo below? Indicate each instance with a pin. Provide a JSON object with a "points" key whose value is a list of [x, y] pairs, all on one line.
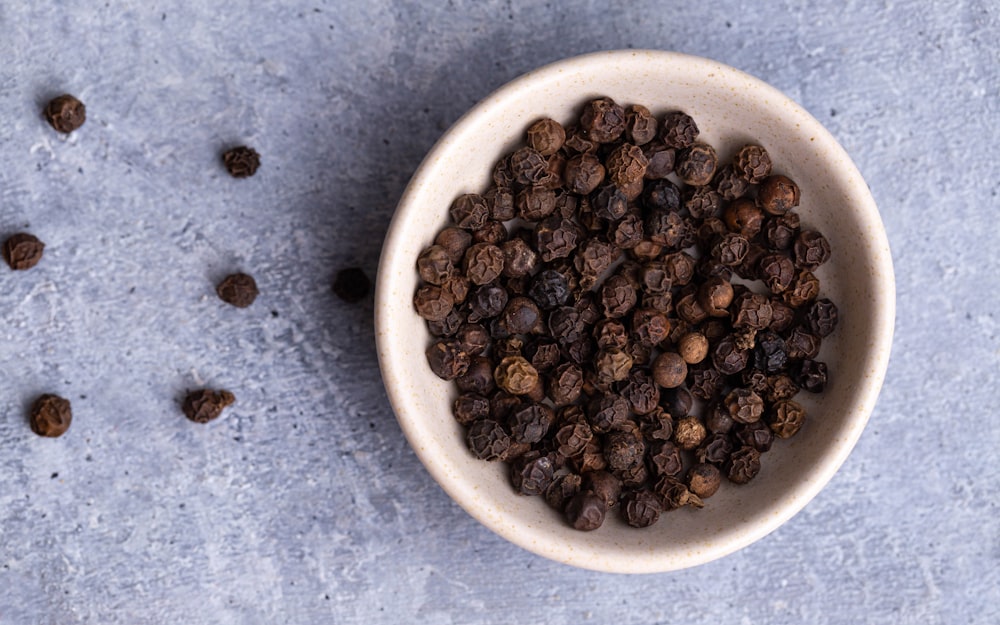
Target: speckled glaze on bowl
{"points": [[731, 109]]}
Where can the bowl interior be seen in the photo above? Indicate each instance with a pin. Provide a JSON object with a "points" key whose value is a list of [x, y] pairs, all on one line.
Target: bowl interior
{"points": [[731, 109]]}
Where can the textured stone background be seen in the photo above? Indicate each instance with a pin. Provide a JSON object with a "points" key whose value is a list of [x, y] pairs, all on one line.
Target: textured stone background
{"points": [[305, 504]]}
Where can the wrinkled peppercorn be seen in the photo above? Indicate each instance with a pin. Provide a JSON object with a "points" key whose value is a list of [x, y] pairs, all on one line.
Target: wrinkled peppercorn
{"points": [[487, 439], [696, 164], [205, 405], [640, 125], [715, 449], [822, 317], [241, 161], [623, 450], [563, 488], [626, 165], [546, 136], [642, 508], [811, 249], [528, 166], [65, 113], [689, 432], [728, 358], [238, 289], [22, 251], [744, 405], [660, 160], [743, 465], [730, 184], [757, 435], [50, 415], [810, 375], [678, 130], [447, 360], [753, 163], [469, 407], [786, 418], [603, 119], [585, 512]]}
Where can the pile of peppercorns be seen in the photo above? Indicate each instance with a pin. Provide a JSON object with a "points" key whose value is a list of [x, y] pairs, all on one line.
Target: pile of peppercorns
{"points": [[627, 321]]}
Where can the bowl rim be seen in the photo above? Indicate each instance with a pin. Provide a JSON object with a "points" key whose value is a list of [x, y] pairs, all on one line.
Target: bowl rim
{"points": [[883, 317]]}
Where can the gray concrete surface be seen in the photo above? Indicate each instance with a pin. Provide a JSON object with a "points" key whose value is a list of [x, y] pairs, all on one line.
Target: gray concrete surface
{"points": [[304, 503]]}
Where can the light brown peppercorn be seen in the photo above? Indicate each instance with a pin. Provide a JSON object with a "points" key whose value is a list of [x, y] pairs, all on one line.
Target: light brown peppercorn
{"points": [[515, 375], [50, 416], [626, 165], [693, 347], [669, 370], [689, 432], [704, 479]]}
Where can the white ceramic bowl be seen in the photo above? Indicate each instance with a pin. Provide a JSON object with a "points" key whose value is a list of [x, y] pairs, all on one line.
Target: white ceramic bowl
{"points": [[731, 109]]}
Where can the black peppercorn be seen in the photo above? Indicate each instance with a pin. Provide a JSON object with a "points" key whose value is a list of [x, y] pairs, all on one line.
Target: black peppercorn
{"points": [[642, 508], [665, 459], [583, 173], [22, 251], [563, 488], [810, 375], [50, 416], [678, 130], [585, 512], [626, 165], [528, 166], [487, 440], [744, 218], [205, 405], [65, 113], [822, 317], [660, 160], [728, 358], [238, 289], [603, 119], [704, 479], [546, 136], [730, 184], [469, 407], [753, 163], [478, 378], [241, 161], [696, 164], [454, 241], [778, 195], [743, 465], [785, 418], [446, 359], [811, 249]]}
